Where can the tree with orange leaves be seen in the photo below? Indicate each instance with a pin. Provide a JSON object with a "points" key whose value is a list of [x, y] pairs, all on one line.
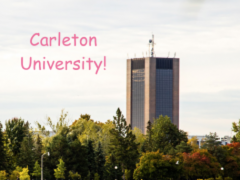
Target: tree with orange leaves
{"points": [[231, 162], [200, 164]]}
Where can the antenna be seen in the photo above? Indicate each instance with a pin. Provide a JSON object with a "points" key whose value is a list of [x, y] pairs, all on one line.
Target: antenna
{"points": [[152, 45], [168, 54], [149, 48], [151, 41], [174, 54]]}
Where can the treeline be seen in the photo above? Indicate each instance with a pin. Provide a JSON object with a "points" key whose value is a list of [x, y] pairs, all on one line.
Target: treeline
{"points": [[88, 150]]}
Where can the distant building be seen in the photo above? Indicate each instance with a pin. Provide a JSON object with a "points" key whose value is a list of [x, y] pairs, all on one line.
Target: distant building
{"points": [[152, 90], [200, 139], [51, 133]]}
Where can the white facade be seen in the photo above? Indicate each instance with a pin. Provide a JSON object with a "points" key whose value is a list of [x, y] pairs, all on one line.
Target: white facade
{"points": [[200, 139]]}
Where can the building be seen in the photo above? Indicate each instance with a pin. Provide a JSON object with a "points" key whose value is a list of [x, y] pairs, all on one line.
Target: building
{"points": [[201, 139], [152, 90]]}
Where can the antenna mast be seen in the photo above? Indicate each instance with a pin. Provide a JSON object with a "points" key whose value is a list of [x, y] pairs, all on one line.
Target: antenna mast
{"points": [[152, 45], [151, 41]]}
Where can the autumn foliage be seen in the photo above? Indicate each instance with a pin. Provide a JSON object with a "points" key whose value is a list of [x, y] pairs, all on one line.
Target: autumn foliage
{"points": [[200, 164]]}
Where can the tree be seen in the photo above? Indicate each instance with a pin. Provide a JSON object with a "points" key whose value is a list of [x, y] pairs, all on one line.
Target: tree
{"points": [[234, 139], [96, 176], [62, 122], [77, 158], [85, 116], [147, 144], [3, 175], [211, 142], [26, 153], [59, 173], [100, 161], [91, 159], [3, 157], [16, 130], [24, 174], [231, 161], [66, 145], [236, 129], [38, 148], [156, 165], [123, 145], [74, 176], [111, 172], [128, 174], [15, 173], [36, 170], [140, 138], [200, 164], [193, 142], [165, 135], [183, 147]]}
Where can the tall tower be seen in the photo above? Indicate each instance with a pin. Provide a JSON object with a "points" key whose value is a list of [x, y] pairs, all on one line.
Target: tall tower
{"points": [[152, 90]]}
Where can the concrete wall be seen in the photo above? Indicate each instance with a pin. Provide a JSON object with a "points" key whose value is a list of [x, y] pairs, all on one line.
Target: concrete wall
{"points": [[176, 92], [129, 72], [150, 90]]}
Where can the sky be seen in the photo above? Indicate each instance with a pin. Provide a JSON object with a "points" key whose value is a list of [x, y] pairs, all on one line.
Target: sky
{"points": [[204, 34]]}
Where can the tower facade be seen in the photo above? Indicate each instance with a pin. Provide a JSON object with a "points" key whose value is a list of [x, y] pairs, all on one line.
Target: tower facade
{"points": [[152, 90]]}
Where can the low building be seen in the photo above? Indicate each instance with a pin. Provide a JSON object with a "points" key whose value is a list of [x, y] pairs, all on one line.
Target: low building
{"points": [[200, 139]]}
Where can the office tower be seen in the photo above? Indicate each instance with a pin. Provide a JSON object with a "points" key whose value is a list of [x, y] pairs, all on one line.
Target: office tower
{"points": [[152, 90]]}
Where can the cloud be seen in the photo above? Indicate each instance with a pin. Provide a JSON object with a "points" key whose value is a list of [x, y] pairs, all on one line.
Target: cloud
{"points": [[202, 113]]}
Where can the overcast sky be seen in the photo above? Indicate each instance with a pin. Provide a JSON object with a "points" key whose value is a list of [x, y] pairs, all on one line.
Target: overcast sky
{"points": [[205, 34]]}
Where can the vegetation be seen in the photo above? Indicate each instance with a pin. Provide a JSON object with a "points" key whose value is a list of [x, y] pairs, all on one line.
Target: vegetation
{"points": [[60, 171], [86, 150]]}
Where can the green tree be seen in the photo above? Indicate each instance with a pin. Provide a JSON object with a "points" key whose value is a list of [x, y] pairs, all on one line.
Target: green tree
{"points": [[26, 153], [3, 156], [211, 142], [38, 148], [16, 130], [61, 123], [15, 173], [112, 169], [147, 144], [24, 174], [74, 176], [183, 147], [123, 145], [96, 176], [128, 174], [100, 161], [59, 173], [193, 142], [166, 135], [3, 175], [156, 165], [66, 145], [234, 139], [140, 138], [36, 170], [91, 159], [85, 116], [236, 129]]}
